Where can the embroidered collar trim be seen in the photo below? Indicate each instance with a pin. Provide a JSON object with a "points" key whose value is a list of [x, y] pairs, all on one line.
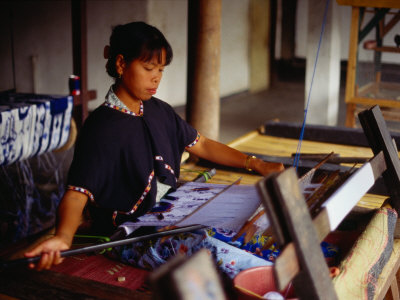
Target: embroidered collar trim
{"points": [[114, 102]]}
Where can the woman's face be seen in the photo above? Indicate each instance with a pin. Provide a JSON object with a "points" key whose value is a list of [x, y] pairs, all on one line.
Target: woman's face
{"points": [[140, 79]]}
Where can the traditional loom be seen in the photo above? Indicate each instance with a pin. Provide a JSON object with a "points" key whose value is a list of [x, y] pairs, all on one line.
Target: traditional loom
{"points": [[299, 235], [277, 192]]}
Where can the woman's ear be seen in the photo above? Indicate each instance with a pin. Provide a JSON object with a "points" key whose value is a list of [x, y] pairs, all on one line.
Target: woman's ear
{"points": [[120, 64]]}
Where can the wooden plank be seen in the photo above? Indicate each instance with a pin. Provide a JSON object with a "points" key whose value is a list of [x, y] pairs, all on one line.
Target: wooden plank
{"points": [[380, 140], [375, 101], [321, 133], [389, 25], [371, 3]]}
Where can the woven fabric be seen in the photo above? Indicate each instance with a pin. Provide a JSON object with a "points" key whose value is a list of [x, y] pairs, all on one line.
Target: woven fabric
{"points": [[360, 270], [153, 253], [103, 269]]}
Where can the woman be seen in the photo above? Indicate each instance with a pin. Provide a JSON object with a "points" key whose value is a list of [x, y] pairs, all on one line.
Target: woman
{"points": [[129, 150]]}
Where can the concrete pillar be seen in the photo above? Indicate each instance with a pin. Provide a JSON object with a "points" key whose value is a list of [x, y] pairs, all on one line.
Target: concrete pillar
{"points": [[204, 44], [324, 100]]}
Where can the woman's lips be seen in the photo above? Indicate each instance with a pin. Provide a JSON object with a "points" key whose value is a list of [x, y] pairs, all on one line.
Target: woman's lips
{"points": [[152, 91]]}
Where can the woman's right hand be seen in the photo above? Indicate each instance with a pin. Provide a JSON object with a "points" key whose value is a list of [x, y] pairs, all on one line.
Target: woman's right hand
{"points": [[49, 251], [69, 213]]}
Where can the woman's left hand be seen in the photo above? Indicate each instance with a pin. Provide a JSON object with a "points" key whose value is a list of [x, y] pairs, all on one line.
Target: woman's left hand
{"points": [[264, 167]]}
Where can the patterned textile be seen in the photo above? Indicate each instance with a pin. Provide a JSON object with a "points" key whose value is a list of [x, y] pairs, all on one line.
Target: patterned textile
{"points": [[360, 270], [151, 254], [231, 256], [254, 246], [32, 124]]}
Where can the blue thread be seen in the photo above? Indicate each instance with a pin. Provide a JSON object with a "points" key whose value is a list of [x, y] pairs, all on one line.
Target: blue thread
{"points": [[297, 156]]}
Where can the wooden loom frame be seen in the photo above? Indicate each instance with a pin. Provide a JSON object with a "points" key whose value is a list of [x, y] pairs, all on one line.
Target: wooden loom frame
{"points": [[299, 235]]}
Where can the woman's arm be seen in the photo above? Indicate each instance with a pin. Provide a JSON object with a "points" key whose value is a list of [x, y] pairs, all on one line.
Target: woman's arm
{"points": [[70, 216], [224, 155]]}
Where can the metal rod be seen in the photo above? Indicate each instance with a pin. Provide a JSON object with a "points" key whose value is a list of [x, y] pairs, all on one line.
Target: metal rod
{"points": [[102, 246]]}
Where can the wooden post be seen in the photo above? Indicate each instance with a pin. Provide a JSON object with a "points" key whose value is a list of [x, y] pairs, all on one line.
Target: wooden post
{"points": [[79, 45], [351, 67], [79, 53], [203, 102]]}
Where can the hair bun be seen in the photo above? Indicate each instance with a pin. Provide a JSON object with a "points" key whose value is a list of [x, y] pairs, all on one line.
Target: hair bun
{"points": [[106, 52]]}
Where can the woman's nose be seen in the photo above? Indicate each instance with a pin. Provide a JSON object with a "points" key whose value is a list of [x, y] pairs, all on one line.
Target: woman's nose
{"points": [[157, 78]]}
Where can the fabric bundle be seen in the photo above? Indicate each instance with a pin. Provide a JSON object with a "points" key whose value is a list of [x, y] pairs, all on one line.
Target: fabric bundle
{"points": [[32, 124], [31, 175]]}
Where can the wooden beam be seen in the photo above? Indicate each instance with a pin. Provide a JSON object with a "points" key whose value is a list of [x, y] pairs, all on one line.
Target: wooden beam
{"points": [[371, 3], [380, 140], [79, 53], [351, 66], [322, 133]]}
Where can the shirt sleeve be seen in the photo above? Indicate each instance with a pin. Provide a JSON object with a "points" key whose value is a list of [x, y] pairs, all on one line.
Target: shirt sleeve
{"points": [[187, 135], [84, 175]]}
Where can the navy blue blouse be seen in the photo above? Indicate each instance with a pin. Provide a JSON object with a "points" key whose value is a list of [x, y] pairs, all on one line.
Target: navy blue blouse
{"points": [[119, 155]]}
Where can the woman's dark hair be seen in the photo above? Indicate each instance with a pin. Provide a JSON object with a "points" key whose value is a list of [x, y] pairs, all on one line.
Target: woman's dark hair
{"points": [[136, 40]]}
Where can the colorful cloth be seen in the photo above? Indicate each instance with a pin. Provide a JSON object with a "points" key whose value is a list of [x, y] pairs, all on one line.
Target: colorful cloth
{"points": [[151, 254], [230, 256], [255, 246]]}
